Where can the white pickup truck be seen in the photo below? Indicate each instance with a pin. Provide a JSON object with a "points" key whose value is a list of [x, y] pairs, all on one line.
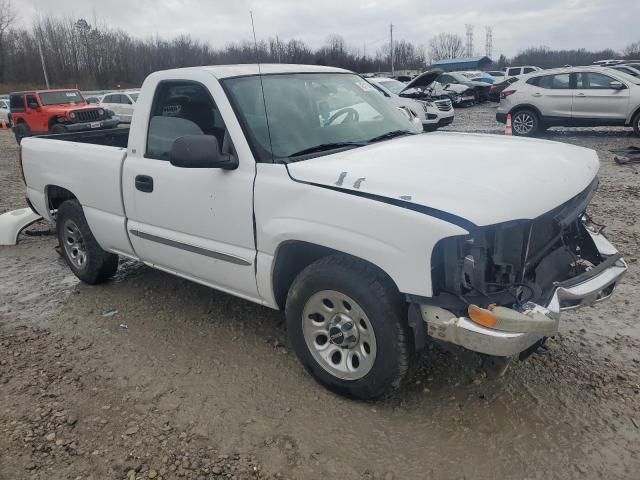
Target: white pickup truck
{"points": [[303, 189]]}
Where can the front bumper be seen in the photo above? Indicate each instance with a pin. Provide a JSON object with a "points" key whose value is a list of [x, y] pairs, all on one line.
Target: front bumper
{"points": [[587, 289], [97, 125]]}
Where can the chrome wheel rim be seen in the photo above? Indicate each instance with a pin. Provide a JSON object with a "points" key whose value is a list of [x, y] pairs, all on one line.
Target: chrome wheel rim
{"points": [[74, 244], [523, 123], [339, 335]]}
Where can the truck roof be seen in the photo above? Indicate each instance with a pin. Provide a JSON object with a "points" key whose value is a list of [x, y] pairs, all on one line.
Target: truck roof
{"points": [[240, 70], [46, 90]]}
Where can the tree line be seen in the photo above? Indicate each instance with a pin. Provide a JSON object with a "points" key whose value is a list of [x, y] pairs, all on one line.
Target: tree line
{"points": [[79, 54]]}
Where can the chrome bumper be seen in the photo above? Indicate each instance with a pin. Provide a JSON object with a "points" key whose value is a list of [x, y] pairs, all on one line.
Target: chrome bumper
{"points": [[585, 290]]}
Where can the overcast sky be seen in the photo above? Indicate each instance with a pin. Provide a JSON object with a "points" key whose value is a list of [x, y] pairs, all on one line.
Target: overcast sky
{"points": [[517, 24]]}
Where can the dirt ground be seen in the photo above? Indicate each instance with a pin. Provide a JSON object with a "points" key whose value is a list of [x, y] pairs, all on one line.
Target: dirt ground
{"points": [[187, 382]]}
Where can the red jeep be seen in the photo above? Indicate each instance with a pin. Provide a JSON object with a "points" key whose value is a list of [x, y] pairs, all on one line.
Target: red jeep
{"points": [[55, 111]]}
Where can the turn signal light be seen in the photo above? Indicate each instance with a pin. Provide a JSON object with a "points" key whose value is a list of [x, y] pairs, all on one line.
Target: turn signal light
{"points": [[482, 317]]}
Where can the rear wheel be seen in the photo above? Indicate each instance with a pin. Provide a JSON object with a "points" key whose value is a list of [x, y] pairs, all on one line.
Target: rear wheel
{"points": [[525, 123], [636, 124], [21, 131], [79, 248], [347, 324]]}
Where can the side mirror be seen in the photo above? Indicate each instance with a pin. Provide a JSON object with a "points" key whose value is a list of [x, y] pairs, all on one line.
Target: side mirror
{"points": [[616, 85], [200, 151], [33, 105]]}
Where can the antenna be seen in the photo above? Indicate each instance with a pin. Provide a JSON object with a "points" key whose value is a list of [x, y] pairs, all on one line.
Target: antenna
{"points": [[264, 100], [391, 45], [469, 45]]}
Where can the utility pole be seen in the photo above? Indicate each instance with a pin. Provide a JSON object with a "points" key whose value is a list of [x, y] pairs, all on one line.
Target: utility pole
{"points": [[44, 67], [469, 45], [488, 47], [278, 47], [391, 43]]}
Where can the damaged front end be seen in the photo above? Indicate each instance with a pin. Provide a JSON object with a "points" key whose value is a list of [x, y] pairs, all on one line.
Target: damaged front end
{"points": [[500, 289]]}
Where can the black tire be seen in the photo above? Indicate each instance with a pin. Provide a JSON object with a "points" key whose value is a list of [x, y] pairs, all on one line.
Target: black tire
{"points": [[636, 124], [21, 131], [525, 123], [98, 265], [381, 303], [58, 129]]}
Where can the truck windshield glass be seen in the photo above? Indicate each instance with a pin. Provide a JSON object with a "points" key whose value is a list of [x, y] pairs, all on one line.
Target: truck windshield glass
{"points": [[134, 97], [60, 98], [394, 86], [312, 113]]}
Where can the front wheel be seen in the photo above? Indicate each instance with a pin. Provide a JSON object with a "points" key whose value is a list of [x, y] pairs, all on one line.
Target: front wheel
{"points": [[58, 129], [88, 261], [525, 123], [636, 124], [347, 324]]}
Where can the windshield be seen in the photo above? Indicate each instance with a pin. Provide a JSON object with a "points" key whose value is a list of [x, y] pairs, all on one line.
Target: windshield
{"points": [[59, 98], [394, 86], [308, 111], [134, 97], [627, 77]]}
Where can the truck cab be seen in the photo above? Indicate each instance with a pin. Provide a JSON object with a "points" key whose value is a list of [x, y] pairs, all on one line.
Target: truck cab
{"points": [[55, 111]]}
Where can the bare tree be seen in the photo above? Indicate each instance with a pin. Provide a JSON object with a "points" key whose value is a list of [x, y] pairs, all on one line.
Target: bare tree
{"points": [[446, 45], [7, 17], [632, 51]]}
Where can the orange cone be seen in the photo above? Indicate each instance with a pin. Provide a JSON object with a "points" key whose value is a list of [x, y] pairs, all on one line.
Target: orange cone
{"points": [[3, 125], [507, 126]]}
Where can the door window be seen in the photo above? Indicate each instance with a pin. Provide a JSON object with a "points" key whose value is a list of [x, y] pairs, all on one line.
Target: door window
{"points": [[32, 102], [108, 99], [528, 70], [594, 81], [560, 81], [179, 109], [513, 71]]}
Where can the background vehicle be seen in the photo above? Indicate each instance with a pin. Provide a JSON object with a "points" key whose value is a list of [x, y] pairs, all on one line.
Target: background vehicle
{"points": [[121, 104], [480, 90], [499, 75], [497, 88], [4, 110], [94, 100], [290, 216], [577, 97], [628, 69], [55, 111], [517, 71], [479, 77], [433, 113]]}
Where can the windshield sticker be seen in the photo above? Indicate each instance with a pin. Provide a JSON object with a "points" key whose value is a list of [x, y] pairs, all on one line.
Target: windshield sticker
{"points": [[71, 94], [365, 86]]}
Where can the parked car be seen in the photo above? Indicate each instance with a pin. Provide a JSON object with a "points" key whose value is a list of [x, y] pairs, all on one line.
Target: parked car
{"points": [[433, 113], [479, 90], [4, 110], [577, 97], [369, 236], [628, 69], [121, 103], [499, 75], [94, 100], [55, 111], [479, 77], [497, 88], [517, 71], [608, 63]]}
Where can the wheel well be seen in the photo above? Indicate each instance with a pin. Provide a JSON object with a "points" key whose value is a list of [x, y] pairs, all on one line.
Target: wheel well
{"points": [[294, 256], [56, 195], [633, 116], [526, 107], [52, 121]]}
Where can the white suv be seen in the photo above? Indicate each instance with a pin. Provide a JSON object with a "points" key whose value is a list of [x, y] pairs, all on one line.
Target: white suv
{"points": [[571, 97], [517, 71]]}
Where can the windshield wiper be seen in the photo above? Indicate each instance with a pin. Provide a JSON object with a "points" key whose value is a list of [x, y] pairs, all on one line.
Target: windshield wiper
{"points": [[327, 146], [390, 135]]}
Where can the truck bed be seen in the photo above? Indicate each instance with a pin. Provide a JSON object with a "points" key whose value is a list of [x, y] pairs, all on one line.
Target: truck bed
{"points": [[110, 137]]}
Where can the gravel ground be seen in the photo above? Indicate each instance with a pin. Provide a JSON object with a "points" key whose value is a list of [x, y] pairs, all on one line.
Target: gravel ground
{"points": [[187, 382]]}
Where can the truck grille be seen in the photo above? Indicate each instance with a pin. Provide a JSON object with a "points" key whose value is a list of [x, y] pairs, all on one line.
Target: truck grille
{"points": [[444, 105], [86, 116]]}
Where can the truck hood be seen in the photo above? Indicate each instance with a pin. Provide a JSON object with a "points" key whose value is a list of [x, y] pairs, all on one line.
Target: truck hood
{"points": [[483, 179], [64, 108]]}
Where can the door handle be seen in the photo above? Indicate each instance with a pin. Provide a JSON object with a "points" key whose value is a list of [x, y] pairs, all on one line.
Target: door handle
{"points": [[536, 94], [144, 183], [579, 94]]}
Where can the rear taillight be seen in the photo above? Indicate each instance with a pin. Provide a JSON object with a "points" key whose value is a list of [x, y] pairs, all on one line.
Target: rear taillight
{"points": [[506, 93], [20, 164]]}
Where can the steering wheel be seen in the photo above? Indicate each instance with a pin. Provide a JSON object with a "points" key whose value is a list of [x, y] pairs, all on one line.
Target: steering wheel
{"points": [[351, 115]]}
